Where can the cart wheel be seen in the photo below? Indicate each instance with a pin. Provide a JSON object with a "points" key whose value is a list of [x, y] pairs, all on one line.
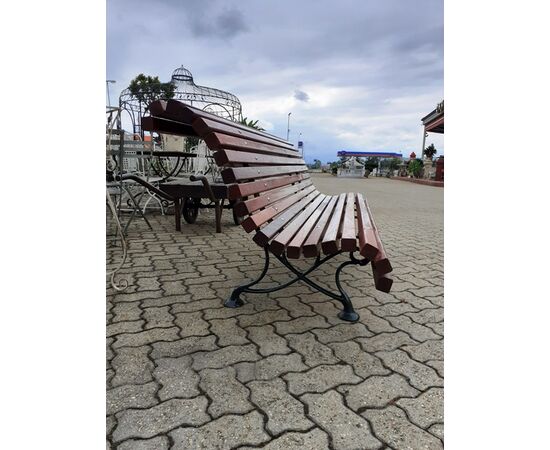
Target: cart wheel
{"points": [[190, 210], [237, 219]]}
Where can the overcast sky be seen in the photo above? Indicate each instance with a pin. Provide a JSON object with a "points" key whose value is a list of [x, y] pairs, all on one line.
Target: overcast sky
{"points": [[356, 75]]}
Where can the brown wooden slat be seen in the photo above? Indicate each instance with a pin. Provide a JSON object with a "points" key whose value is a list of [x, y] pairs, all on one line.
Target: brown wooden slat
{"points": [[311, 245], [263, 236], [234, 174], [382, 282], [217, 141], [241, 190], [380, 262], [205, 126], [367, 238], [294, 248], [256, 220], [223, 157], [160, 125], [349, 236], [330, 242], [249, 206], [279, 242]]}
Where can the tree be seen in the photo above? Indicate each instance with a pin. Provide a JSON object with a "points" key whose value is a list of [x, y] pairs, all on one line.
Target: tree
{"points": [[430, 151], [148, 89], [316, 164], [415, 167], [251, 123], [371, 163]]}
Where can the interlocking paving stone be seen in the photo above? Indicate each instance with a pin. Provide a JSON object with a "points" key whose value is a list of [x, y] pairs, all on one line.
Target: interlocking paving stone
{"points": [[192, 324], [146, 337], [158, 443], [177, 378], [428, 350], [158, 317], [269, 367], [427, 316], [228, 332], [426, 409], [227, 394], [196, 306], [224, 313], [263, 317], [363, 363], [126, 312], [295, 307], [392, 426], [111, 422], [124, 327], [347, 429], [437, 365], [420, 376], [132, 366], [436, 327], [224, 357], [342, 333], [312, 350], [385, 341], [301, 324], [283, 411], [312, 440], [437, 430], [268, 342], [375, 323], [223, 433], [377, 391], [146, 423], [183, 347], [418, 332], [131, 396], [392, 309], [320, 379]]}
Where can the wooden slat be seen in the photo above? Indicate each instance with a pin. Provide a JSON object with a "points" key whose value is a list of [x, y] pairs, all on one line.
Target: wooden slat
{"points": [[349, 236], [367, 238], [263, 236], [380, 262], [330, 242], [205, 126], [249, 206], [241, 190], [311, 245], [234, 174], [223, 157], [382, 282], [166, 126], [279, 242], [256, 220], [294, 248], [217, 141]]}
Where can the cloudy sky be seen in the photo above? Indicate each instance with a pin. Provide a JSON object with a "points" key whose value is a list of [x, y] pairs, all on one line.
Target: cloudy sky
{"points": [[356, 75]]}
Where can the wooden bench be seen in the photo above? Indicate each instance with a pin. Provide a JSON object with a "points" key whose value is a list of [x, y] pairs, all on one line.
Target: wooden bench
{"points": [[272, 190]]}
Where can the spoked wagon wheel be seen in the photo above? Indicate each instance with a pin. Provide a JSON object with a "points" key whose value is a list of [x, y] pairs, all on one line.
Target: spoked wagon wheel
{"points": [[190, 209]]}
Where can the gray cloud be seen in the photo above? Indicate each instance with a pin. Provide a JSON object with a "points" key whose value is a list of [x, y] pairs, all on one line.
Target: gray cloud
{"points": [[301, 95], [226, 25]]}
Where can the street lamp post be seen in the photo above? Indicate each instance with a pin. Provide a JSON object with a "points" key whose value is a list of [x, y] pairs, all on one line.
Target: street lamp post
{"points": [[108, 96], [288, 126]]}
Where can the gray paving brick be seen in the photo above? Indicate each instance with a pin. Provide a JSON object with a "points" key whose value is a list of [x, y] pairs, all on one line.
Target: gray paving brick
{"points": [[192, 324], [131, 396], [283, 411], [146, 423], [228, 332], [347, 429], [268, 342], [158, 317], [392, 426], [418, 332], [377, 391], [264, 317], [311, 440], [183, 347], [176, 377], [301, 324], [426, 409], [437, 430], [146, 337], [224, 357], [342, 333], [124, 327], [374, 323], [320, 378], [363, 363], [427, 316], [295, 307], [385, 341], [311, 349], [228, 395], [132, 366], [428, 350], [223, 433], [157, 443], [420, 376], [270, 367]]}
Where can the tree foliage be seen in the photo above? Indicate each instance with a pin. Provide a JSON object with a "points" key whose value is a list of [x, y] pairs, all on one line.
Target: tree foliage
{"points": [[430, 151], [415, 167], [251, 123], [148, 89]]}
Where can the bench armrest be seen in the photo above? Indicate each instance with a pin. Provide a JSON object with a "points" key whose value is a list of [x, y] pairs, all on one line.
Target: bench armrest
{"points": [[206, 185]]}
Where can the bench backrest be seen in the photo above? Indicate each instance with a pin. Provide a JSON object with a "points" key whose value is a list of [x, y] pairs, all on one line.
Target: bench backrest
{"points": [[265, 173]]}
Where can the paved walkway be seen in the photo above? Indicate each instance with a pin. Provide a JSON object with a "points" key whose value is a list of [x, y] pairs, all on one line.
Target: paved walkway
{"points": [[281, 372]]}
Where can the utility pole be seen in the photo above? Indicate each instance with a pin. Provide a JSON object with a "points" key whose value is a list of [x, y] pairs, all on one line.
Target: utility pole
{"points": [[288, 126], [108, 96]]}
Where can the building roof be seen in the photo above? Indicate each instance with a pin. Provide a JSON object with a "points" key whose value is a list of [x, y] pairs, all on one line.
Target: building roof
{"points": [[434, 122]]}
